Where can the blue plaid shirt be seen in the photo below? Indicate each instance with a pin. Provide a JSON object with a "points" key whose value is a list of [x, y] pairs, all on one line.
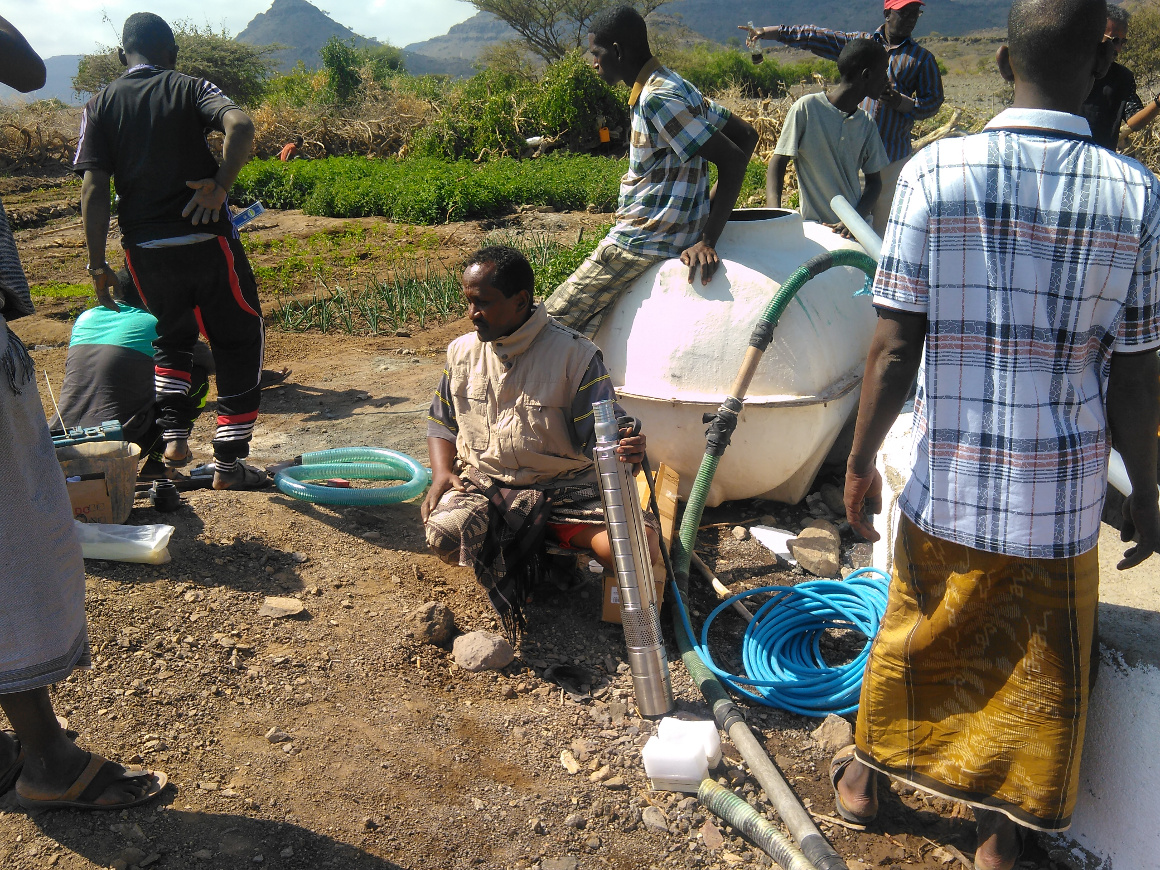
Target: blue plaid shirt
{"points": [[913, 72], [1033, 254], [664, 196]]}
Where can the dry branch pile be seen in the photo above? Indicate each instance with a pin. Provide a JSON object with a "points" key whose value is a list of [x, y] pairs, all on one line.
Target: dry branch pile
{"points": [[381, 126], [38, 134]]}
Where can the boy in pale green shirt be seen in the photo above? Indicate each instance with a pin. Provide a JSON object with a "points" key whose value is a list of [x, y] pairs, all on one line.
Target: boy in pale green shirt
{"points": [[830, 139]]}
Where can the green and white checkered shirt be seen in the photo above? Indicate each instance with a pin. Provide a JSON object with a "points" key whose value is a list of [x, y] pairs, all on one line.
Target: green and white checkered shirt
{"points": [[664, 196]]}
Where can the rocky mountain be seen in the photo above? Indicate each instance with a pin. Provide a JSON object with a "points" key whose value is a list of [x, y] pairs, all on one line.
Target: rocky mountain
{"points": [[303, 29], [58, 82], [465, 41], [718, 19]]}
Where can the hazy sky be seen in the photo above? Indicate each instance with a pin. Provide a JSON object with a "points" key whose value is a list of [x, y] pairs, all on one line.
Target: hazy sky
{"points": [[76, 26]]}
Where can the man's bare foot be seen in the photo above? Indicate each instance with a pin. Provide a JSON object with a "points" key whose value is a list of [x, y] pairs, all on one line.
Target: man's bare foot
{"points": [[1000, 841], [177, 453]]}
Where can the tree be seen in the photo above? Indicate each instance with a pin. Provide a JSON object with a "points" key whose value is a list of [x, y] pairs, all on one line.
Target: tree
{"points": [[240, 70], [350, 67], [552, 28], [1142, 53]]}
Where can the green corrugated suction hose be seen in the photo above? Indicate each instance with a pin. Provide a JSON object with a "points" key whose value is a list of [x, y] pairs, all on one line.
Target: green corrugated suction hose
{"points": [[752, 825], [814, 847], [358, 463]]}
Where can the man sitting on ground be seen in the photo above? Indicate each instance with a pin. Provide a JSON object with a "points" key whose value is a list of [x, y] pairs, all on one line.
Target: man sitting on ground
{"points": [[666, 209], [510, 436], [830, 139]]}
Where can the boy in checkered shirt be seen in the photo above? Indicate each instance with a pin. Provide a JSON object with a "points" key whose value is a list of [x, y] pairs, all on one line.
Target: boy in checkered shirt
{"points": [[666, 209]]}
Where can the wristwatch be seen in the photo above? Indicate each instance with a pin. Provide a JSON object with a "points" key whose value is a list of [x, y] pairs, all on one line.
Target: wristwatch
{"points": [[93, 270]]}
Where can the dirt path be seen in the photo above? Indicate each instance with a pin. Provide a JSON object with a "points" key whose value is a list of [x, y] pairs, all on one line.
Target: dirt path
{"points": [[395, 758]]}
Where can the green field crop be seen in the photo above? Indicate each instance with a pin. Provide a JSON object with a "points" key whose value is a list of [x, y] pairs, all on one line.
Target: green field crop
{"points": [[417, 294], [427, 190]]}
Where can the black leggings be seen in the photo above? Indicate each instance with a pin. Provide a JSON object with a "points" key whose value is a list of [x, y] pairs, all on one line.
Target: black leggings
{"points": [[205, 287]]}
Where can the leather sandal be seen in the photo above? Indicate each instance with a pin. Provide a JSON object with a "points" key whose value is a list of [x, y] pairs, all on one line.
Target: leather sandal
{"points": [[838, 766]]}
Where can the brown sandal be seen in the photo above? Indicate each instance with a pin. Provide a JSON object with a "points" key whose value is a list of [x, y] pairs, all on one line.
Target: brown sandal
{"points": [[92, 782], [838, 765]]}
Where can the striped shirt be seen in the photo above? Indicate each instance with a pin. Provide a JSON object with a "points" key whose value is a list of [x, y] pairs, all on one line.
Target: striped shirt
{"points": [[1033, 254], [664, 196], [913, 72]]}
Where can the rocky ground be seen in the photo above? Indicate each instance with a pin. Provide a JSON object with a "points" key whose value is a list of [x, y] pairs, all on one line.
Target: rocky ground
{"points": [[337, 738]]}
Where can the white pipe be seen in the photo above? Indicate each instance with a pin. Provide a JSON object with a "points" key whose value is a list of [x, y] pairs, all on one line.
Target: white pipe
{"points": [[1118, 473], [857, 226]]}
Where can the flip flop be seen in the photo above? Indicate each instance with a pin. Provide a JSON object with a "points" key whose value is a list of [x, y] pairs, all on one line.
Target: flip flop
{"points": [[98, 775], [838, 766], [252, 479]]}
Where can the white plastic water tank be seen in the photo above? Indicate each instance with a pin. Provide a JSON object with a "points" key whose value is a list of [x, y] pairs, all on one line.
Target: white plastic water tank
{"points": [[674, 348]]}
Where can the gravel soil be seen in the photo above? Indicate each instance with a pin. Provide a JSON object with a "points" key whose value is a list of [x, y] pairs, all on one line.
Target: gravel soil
{"points": [[390, 755]]}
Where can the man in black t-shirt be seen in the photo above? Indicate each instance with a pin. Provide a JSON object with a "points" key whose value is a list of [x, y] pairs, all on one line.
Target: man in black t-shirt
{"points": [[147, 130], [1113, 99]]}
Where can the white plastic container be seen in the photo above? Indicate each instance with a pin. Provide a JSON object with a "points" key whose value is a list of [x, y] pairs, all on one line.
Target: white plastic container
{"points": [[675, 765], [702, 731], [680, 754], [673, 349]]}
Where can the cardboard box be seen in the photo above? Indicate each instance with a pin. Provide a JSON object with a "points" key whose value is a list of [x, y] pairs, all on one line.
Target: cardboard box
{"points": [[610, 598], [666, 484], [89, 494]]}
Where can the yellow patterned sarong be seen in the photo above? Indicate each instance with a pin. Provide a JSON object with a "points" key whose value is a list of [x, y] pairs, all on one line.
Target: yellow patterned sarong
{"points": [[977, 683]]}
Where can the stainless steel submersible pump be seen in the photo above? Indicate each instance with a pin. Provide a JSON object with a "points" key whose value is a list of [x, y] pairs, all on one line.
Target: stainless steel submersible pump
{"points": [[639, 612]]}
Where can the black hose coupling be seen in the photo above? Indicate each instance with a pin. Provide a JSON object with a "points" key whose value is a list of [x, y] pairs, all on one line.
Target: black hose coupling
{"points": [[721, 426], [762, 335]]}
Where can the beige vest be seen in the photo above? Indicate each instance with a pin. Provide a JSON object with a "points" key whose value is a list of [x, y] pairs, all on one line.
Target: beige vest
{"points": [[513, 402]]}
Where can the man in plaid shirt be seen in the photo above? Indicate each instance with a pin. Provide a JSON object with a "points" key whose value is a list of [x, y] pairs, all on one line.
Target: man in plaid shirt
{"points": [[1020, 268], [915, 91], [666, 209]]}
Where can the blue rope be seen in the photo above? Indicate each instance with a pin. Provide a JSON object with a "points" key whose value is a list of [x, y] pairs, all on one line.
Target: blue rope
{"points": [[781, 649]]}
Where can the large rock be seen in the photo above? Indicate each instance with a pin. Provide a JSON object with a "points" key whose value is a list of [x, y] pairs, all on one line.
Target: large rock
{"points": [[818, 548], [833, 734], [430, 623], [280, 608], [482, 650]]}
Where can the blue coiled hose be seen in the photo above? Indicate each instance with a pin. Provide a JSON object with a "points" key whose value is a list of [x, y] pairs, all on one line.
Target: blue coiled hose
{"points": [[781, 648], [358, 463]]}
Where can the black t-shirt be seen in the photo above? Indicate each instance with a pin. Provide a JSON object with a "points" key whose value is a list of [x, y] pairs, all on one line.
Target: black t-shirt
{"points": [[1111, 102], [148, 129]]}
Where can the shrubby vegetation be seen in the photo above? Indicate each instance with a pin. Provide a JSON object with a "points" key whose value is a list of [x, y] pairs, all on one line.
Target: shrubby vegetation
{"points": [[495, 112], [712, 68]]}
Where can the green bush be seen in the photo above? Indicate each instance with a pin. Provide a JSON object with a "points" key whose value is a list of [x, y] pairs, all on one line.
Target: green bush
{"points": [[428, 190], [495, 111], [715, 69]]}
